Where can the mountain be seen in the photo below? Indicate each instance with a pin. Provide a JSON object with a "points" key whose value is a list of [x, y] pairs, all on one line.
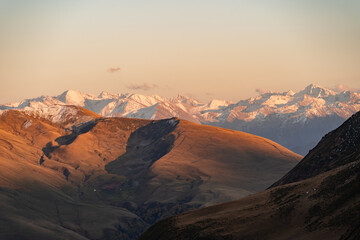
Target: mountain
{"points": [[69, 173], [295, 120], [318, 199], [337, 148]]}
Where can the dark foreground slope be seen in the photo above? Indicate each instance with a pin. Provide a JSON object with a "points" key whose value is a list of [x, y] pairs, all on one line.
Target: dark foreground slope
{"points": [[110, 178], [325, 205], [335, 149]]}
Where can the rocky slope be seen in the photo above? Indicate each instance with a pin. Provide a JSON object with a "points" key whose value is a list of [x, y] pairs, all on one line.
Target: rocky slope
{"points": [[68, 173], [295, 120], [318, 199], [337, 148]]}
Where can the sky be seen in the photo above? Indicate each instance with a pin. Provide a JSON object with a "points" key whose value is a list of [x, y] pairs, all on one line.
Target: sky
{"points": [[205, 48]]}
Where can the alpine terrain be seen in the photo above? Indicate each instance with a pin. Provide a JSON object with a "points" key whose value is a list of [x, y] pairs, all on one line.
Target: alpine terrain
{"points": [[294, 120], [318, 199], [69, 173]]}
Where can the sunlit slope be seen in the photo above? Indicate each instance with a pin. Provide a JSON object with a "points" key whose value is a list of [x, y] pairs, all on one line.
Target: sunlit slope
{"points": [[219, 164], [107, 178], [37, 202]]}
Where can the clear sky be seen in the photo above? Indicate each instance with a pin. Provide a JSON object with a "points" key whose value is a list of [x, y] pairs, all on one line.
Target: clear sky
{"points": [[221, 49]]}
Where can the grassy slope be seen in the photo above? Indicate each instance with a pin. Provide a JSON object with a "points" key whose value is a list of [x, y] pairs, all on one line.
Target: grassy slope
{"points": [[79, 191], [323, 207]]}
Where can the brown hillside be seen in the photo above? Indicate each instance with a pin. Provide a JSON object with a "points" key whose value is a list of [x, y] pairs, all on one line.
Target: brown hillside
{"points": [[112, 177]]}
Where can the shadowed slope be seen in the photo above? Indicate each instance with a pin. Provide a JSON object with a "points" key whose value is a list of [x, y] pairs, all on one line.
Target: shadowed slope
{"points": [[336, 148], [324, 207], [145, 146]]}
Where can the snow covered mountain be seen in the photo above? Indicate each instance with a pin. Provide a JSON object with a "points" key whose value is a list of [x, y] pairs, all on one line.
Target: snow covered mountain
{"points": [[295, 120]]}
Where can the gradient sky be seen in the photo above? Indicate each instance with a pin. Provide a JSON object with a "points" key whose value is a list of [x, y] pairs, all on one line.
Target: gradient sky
{"points": [[211, 49]]}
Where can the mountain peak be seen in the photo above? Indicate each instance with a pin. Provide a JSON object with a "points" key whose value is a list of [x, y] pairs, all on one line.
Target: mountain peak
{"points": [[185, 100], [106, 95], [290, 93], [73, 97], [217, 104], [71, 92], [312, 85], [180, 98], [316, 91]]}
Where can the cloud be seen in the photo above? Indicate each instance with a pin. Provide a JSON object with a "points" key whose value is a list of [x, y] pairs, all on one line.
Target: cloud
{"points": [[114, 69], [261, 90], [143, 86]]}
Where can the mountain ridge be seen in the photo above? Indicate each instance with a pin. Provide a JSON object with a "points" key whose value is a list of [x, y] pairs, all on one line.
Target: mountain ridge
{"points": [[328, 152], [312, 111]]}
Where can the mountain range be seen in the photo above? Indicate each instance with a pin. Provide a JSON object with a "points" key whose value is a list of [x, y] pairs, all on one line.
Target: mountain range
{"points": [[69, 173], [296, 120], [317, 199]]}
